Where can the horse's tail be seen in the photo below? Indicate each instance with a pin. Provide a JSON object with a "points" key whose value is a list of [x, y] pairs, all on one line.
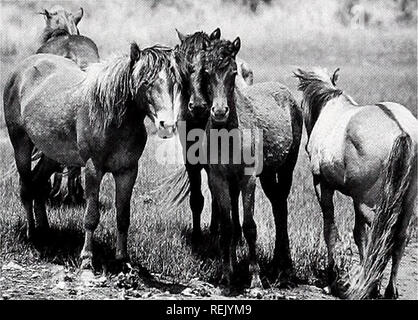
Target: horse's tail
{"points": [[396, 180], [174, 189]]}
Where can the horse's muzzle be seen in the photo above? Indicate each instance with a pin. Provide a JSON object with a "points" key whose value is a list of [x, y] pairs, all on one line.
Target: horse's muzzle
{"points": [[219, 115], [165, 130]]}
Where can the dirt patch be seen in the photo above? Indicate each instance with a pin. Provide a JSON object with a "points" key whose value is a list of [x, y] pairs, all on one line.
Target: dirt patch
{"points": [[42, 280]]}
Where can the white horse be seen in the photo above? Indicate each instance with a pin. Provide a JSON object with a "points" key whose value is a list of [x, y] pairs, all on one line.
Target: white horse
{"points": [[368, 153]]}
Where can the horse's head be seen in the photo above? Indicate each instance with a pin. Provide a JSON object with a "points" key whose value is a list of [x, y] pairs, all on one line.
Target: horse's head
{"points": [[57, 18], [157, 80], [193, 48], [221, 70]]}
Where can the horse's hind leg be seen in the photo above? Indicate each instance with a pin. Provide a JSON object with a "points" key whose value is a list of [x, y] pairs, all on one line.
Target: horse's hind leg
{"points": [[124, 182], [41, 174], [401, 236], [250, 230], [23, 155], [325, 198], [277, 192], [94, 176], [363, 217]]}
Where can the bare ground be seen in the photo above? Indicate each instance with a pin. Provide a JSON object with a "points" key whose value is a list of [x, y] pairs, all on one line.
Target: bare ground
{"points": [[42, 280]]}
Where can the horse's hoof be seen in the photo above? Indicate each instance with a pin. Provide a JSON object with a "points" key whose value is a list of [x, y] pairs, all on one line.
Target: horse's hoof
{"points": [[122, 264], [214, 230], [256, 282], [391, 292], [86, 262], [226, 280]]}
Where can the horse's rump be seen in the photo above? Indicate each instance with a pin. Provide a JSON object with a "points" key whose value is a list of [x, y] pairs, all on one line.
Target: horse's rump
{"points": [[270, 107], [40, 98]]}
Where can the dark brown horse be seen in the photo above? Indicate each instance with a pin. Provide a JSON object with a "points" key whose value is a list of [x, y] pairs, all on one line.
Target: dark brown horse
{"points": [[62, 37], [93, 119], [270, 107], [227, 179]]}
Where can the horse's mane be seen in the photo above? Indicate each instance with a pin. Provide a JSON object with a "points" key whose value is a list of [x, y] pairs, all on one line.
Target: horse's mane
{"points": [[193, 43], [111, 85], [50, 33], [219, 54], [318, 88]]}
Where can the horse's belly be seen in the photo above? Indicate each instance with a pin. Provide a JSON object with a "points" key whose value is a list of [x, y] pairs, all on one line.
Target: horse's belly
{"points": [[53, 133]]}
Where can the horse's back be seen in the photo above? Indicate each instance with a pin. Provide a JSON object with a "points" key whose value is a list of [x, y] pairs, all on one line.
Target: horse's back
{"points": [[271, 107], [82, 50], [38, 76]]}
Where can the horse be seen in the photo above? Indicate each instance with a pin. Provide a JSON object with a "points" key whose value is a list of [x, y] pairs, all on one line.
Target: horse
{"points": [[268, 106], [93, 119], [228, 179], [367, 152], [61, 36], [192, 47]]}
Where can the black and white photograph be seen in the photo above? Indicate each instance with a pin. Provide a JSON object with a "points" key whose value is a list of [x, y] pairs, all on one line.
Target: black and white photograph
{"points": [[199, 151]]}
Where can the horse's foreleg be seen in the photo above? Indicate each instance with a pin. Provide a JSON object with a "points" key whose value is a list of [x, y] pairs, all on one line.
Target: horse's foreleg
{"points": [[236, 231], [94, 176], [325, 198], [124, 181], [214, 221], [250, 230], [235, 215], [196, 201], [220, 190]]}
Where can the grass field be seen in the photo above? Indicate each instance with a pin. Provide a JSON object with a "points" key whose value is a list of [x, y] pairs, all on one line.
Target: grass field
{"points": [[377, 64]]}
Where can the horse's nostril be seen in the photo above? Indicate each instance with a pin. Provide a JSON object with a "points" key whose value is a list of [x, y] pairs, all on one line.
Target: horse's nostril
{"points": [[190, 105], [226, 110], [162, 124]]}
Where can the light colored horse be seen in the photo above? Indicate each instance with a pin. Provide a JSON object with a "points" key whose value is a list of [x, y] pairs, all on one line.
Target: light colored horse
{"points": [[93, 119], [58, 19], [245, 75], [368, 153]]}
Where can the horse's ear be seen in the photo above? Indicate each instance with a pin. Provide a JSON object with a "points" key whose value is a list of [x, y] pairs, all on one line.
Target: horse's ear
{"points": [[298, 73], [135, 52], [181, 36], [78, 15], [215, 35], [335, 76], [46, 14], [237, 45]]}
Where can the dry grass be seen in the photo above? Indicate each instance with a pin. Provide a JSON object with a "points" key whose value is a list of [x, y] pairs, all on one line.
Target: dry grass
{"points": [[376, 64]]}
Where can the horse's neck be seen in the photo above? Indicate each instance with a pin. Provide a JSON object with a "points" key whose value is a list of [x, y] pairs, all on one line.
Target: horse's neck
{"points": [[50, 34]]}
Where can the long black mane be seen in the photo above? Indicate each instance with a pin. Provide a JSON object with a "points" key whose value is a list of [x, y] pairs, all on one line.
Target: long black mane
{"points": [[193, 43]]}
